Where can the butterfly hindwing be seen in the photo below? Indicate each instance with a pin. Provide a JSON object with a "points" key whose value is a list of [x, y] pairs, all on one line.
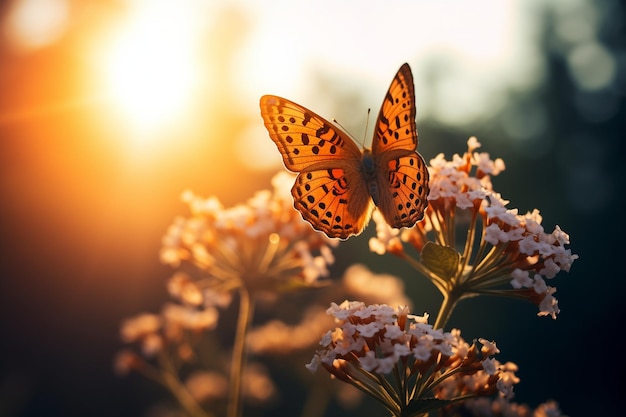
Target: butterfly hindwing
{"points": [[333, 200], [395, 126], [304, 138], [404, 190]]}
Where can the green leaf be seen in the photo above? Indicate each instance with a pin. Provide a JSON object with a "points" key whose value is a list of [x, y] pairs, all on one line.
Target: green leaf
{"points": [[420, 406], [441, 260]]}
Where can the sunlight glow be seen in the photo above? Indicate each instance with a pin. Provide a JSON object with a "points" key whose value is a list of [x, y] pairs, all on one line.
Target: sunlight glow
{"points": [[264, 156], [464, 56], [35, 23], [151, 65], [472, 52]]}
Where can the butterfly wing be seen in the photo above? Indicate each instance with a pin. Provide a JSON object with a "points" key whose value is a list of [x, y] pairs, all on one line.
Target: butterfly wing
{"points": [[395, 126], [333, 200], [402, 180], [304, 139], [329, 192]]}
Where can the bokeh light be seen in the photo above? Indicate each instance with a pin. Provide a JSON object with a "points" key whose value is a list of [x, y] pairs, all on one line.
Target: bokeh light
{"points": [[592, 65], [32, 24]]}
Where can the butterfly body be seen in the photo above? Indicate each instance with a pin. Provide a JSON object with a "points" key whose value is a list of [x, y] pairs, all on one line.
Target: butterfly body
{"points": [[338, 183], [368, 171]]}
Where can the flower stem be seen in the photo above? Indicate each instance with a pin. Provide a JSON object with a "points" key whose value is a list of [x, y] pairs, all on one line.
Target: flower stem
{"points": [[447, 306], [169, 378], [183, 396], [246, 309]]}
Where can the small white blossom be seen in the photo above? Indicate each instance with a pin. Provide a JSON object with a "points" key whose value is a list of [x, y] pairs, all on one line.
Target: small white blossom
{"points": [[489, 348], [521, 279], [489, 365]]}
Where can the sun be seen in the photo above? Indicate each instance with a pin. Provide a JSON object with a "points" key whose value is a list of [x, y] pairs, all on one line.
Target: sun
{"points": [[150, 66]]}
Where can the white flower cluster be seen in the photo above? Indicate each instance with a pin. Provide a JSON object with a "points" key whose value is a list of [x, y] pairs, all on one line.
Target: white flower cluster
{"points": [[380, 339], [262, 240], [453, 179], [512, 248]]}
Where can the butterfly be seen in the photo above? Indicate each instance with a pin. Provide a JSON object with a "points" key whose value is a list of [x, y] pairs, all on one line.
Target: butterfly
{"points": [[339, 184]]}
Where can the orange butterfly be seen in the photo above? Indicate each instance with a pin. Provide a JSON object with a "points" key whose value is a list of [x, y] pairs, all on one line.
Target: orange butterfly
{"points": [[339, 184]]}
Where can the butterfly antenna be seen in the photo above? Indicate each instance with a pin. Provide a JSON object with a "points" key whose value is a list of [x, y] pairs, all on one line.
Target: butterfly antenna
{"points": [[342, 128], [367, 122]]}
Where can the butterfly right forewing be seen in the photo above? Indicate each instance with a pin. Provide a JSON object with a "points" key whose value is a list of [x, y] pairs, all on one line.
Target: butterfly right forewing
{"points": [[395, 126]]}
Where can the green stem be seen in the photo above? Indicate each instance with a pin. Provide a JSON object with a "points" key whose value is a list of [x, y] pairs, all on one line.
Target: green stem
{"points": [[437, 281], [447, 306], [246, 309]]}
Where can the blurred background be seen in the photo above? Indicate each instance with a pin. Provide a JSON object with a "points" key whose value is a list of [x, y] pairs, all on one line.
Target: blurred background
{"points": [[110, 109]]}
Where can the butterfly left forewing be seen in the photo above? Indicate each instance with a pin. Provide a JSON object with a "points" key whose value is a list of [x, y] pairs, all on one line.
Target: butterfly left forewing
{"points": [[304, 138], [404, 190], [333, 200]]}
